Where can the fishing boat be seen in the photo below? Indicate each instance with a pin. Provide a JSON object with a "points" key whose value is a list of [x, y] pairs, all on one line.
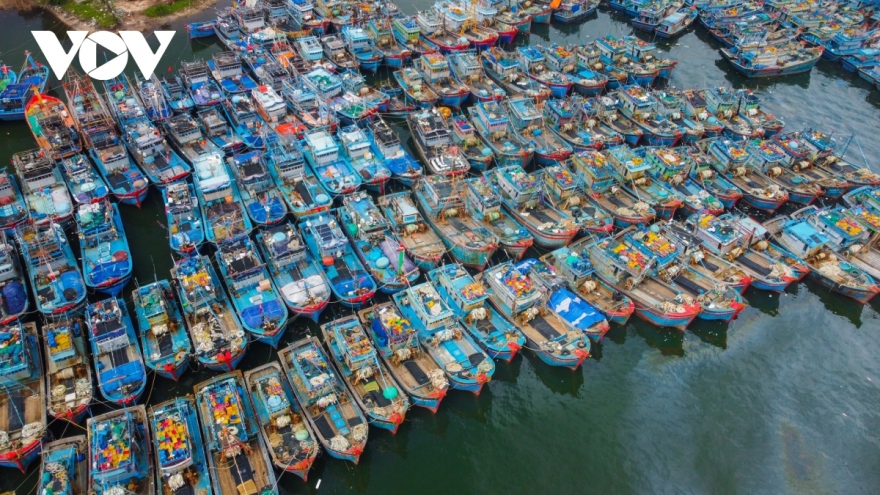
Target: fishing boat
{"points": [[433, 142], [572, 265], [237, 458], [201, 29], [13, 210], [437, 77], [219, 340], [591, 58], [414, 88], [670, 167], [368, 380], [186, 231], [14, 97], [805, 240], [393, 54], [53, 126], [226, 69], [401, 351], [245, 129], [199, 83], [106, 257], [335, 418], [220, 203], [718, 301], [119, 453], [219, 131], [696, 108], [386, 146], [534, 64], [640, 107], [307, 97], [599, 178], [356, 152], [290, 438], [724, 105], [528, 121], [507, 72], [175, 93], [567, 120], [564, 192], [493, 126], [259, 196], [297, 183], [145, 143], [433, 31], [167, 349], [442, 204], [464, 136], [832, 162], [677, 22], [334, 172], [572, 11], [484, 204], [703, 172], [729, 160], [495, 334], [45, 193], [773, 61], [407, 33], [127, 183], [422, 245], [84, 183], [55, 280], [116, 352], [466, 366], [671, 105], [65, 466], [180, 451], [468, 70], [608, 114], [22, 395], [303, 16], [68, 373], [750, 109], [272, 107], [254, 296], [801, 160], [359, 44], [378, 248], [150, 93], [294, 271], [759, 238], [768, 157], [349, 280], [628, 270], [335, 52]]}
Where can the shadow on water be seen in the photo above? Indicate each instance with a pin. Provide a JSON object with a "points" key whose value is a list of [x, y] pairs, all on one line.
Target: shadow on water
{"points": [[711, 332], [508, 372], [669, 341], [836, 303], [562, 381], [802, 469], [617, 334]]}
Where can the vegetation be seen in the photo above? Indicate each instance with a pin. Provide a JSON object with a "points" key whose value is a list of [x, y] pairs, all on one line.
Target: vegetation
{"points": [[91, 10], [164, 9]]}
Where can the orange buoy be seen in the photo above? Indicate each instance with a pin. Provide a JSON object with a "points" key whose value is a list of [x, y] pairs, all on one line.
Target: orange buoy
{"points": [[327, 260]]}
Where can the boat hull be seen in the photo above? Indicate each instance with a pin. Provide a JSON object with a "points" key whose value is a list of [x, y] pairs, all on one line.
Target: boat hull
{"points": [[22, 457], [860, 295]]}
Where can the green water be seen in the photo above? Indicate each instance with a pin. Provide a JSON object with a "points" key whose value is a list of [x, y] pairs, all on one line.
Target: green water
{"points": [[782, 400]]}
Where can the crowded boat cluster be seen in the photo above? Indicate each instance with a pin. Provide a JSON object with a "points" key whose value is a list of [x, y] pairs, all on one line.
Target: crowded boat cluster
{"points": [[274, 161]]}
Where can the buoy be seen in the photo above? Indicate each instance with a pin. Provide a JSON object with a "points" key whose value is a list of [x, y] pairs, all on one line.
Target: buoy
{"points": [[382, 262], [537, 132], [327, 260], [279, 236], [509, 231], [486, 152], [390, 393], [322, 199], [655, 228], [301, 435]]}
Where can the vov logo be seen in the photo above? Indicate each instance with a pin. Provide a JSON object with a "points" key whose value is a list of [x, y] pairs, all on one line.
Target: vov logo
{"points": [[123, 44]]}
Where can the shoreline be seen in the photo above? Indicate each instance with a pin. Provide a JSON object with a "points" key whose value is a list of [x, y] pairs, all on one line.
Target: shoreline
{"points": [[129, 13]]}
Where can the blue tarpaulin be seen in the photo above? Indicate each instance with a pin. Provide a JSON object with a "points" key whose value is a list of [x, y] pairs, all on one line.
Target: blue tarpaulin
{"points": [[253, 316], [577, 312]]}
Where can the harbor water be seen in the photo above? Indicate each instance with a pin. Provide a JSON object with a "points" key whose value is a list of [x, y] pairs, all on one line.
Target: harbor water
{"points": [[784, 399]]}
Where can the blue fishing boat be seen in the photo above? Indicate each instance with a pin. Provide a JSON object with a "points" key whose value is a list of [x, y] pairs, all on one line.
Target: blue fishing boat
{"points": [[528, 121], [120, 453], [671, 105], [805, 240], [640, 107], [863, 59], [197, 81], [572, 11], [180, 451], [307, 96], [295, 273], [769, 158], [152, 97], [359, 44], [219, 132], [393, 54], [56, 281], [433, 142], [416, 91], [493, 125], [386, 146], [414, 370], [466, 366], [533, 63], [378, 248], [467, 69], [507, 72], [219, 340], [484, 204], [495, 334], [356, 152], [291, 441], [303, 16], [420, 242], [68, 370], [14, 96], [437, 77], [794, 58], [564, 191], [464, 136], [237, 459], [116, 352], [106, 257], [407, 33], [45, 193], [568, 121], [802, 159], [703, 172], [98, 132], [259, 196], [201, 29], [167, 349], [84, 183], [222, 211], [334, 172], [520, 193], [226, 69], [295, 181], [22, 395], [442, 204], [175, 93], [186, 228], [12, 206], [592, 58], [65, 466], [368, 379], [254, 296], [335, 418], [670, 167], [349, 281], [241, 113], [729, 160]]}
